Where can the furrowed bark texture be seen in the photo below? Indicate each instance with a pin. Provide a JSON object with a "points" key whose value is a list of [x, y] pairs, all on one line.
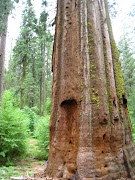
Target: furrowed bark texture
{"points": [[90, 130]]}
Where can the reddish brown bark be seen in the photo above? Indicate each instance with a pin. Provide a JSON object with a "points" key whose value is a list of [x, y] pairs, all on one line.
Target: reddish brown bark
{"points": [[90, 130]]}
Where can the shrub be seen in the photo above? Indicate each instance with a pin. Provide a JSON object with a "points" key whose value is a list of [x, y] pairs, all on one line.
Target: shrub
{"points": [[12, 129], [31, 118], [42, 135], [48, 106], [131, 106]]}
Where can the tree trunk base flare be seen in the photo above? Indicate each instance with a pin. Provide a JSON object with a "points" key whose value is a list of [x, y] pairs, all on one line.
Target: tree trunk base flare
{"points": [[90, 130]]}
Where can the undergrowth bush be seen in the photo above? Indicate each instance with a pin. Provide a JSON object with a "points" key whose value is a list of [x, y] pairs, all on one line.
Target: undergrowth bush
{"points": [[131, 107], [13, 128], [31, 118], [42, 135], [16, 126], [48, 106]]}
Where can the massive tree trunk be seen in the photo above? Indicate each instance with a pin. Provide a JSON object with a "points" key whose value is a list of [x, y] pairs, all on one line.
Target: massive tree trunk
{"points": [[90, 130]]}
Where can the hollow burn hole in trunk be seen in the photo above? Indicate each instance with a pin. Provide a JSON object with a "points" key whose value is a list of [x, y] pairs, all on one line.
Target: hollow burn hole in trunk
{"points": [[114, 103], [104, 136], [124, 100], [104, 122], [69, 102], [116, 118]]}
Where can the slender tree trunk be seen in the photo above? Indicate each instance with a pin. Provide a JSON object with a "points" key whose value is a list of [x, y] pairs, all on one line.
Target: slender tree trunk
{"points": [[33, 74], [47, 77], [22, 81], [44, 91], [10, 83], [2, 57], [90, 130], [41, 95], [44, 81]]}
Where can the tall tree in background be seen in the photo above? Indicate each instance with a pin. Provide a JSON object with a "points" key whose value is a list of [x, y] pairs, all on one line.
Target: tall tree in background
{"points": [[127, 62], [90, 130], [127, 59], [44, 52], [2, 57], [24, 52], [42, 33], [5, 8], [30, 66]]}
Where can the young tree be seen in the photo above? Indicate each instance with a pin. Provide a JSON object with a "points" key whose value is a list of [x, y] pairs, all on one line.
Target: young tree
{"points": [[90, 130]]}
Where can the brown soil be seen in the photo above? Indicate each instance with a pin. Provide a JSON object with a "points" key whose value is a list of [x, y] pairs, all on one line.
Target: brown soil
{"points": [[30, 167]]}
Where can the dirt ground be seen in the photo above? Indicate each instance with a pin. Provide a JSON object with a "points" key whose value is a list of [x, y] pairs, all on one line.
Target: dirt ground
{"points": [[31, 167]]}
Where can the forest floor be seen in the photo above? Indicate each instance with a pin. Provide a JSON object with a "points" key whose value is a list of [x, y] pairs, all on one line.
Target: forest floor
{"points": [[28, 166]]}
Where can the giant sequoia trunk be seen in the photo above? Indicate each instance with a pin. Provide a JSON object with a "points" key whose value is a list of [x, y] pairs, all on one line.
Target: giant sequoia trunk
{"points": [[90, 130]]}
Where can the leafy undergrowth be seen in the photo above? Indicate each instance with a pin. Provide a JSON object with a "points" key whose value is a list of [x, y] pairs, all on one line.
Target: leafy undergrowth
{"points": [[27, 165]]}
